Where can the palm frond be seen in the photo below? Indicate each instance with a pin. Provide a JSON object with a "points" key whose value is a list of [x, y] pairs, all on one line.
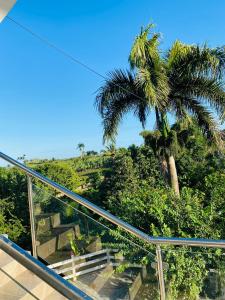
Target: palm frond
{"points": [[119, 82], [208, 91], [151, 71], [202, 115], [120, 94], [186, 60], [144, 49]]}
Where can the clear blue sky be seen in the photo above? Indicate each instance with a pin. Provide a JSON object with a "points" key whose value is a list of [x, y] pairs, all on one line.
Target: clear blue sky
{"points": [[46, 101]]}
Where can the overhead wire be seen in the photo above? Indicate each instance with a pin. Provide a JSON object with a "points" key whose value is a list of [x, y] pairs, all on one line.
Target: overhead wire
{"points": [[67, 54]]}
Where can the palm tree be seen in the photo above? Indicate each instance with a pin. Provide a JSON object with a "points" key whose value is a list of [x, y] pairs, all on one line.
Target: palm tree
{"points": [[111, 148], [180, 133], [80, 147], [184, 80]]}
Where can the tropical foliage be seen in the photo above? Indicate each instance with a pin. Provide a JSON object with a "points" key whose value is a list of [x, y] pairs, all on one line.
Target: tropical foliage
{"points": [[187, 79], [139, 184]]}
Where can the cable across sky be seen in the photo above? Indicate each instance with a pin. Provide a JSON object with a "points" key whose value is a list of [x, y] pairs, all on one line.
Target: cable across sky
{"points": [[66, 54]]}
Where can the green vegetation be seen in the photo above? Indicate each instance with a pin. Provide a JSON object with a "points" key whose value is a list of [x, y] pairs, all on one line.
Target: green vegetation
{"points": [[140, 184], [131, 185], [9, 223], [186, 79]]}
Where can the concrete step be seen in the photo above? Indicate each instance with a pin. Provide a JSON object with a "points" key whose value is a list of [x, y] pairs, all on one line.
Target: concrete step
{"points": [[37, 209], [46, 221], [58, 256], [87, 289], [56, 241], [102, 278]]}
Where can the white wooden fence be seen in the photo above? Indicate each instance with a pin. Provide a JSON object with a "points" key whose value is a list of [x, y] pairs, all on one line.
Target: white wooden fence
{"points": [[80, 265]]}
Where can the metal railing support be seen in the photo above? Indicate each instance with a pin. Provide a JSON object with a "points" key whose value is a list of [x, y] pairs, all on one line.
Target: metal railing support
{"points": [[31, 211], [160, 273]]}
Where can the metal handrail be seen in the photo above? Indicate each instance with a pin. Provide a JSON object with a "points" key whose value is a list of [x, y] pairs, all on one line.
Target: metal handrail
{"points": [[105, 214], [59, 284]]}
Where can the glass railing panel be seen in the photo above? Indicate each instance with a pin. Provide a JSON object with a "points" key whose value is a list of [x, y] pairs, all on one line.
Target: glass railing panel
{"points": [[98, 258], [14, 209], [194, 273]]}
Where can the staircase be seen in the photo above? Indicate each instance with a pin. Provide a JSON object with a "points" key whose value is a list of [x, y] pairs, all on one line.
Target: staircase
{"points": [[52, 237], [93, 272], [16, 282], [53, 246]]}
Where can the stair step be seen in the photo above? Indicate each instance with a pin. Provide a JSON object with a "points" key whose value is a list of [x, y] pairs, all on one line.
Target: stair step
{"points": [[47, 221], [58, 256], [29, 282], [102, 278], [86, 289], [58, 240]]}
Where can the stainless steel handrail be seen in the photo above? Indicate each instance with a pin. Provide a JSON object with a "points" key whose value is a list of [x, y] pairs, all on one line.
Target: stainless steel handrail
{"points": [[39, 269], [105, 214]]}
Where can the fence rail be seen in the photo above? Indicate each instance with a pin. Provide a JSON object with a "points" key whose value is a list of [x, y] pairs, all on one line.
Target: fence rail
{"points": [[87, 265], [80, 262]]}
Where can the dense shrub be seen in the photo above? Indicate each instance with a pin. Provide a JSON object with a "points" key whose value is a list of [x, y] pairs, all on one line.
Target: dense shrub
{"points": [[61, 173]]}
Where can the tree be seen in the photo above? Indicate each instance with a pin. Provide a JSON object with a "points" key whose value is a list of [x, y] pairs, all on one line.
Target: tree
{"points": [[185, 80], [183, 134], [61, 173], [9, 222], [22, 158], [111, 148], [81, 147], [91, 153]]}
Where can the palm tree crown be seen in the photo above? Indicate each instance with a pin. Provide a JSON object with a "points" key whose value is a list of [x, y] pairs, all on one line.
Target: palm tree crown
{"points": [[187, 79], [81, 147]]}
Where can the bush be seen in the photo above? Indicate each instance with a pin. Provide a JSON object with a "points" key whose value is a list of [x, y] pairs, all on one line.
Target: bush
{"points": [[60, 173], [9, 223]]}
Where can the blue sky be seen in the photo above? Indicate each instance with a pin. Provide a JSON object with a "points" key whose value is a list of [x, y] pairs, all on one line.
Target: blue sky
{"points": [[47, 102]]}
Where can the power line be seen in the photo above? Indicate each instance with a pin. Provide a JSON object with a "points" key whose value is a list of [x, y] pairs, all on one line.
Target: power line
{"points": [[66, 54], [51, 45]]}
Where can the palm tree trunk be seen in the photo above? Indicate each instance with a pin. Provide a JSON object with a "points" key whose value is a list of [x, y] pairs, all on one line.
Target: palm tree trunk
{"points": [[164, 169], [173, 175]]}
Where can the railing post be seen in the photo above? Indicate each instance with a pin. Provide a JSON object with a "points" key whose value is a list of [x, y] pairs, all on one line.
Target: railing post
{"points": [[31, 211], [73, 267], [108, 256], [160, 273]]}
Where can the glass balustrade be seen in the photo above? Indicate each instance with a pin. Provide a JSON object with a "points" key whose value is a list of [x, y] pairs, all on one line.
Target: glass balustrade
{"points": [[194, 273], [106, 262], [100, 259]]}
